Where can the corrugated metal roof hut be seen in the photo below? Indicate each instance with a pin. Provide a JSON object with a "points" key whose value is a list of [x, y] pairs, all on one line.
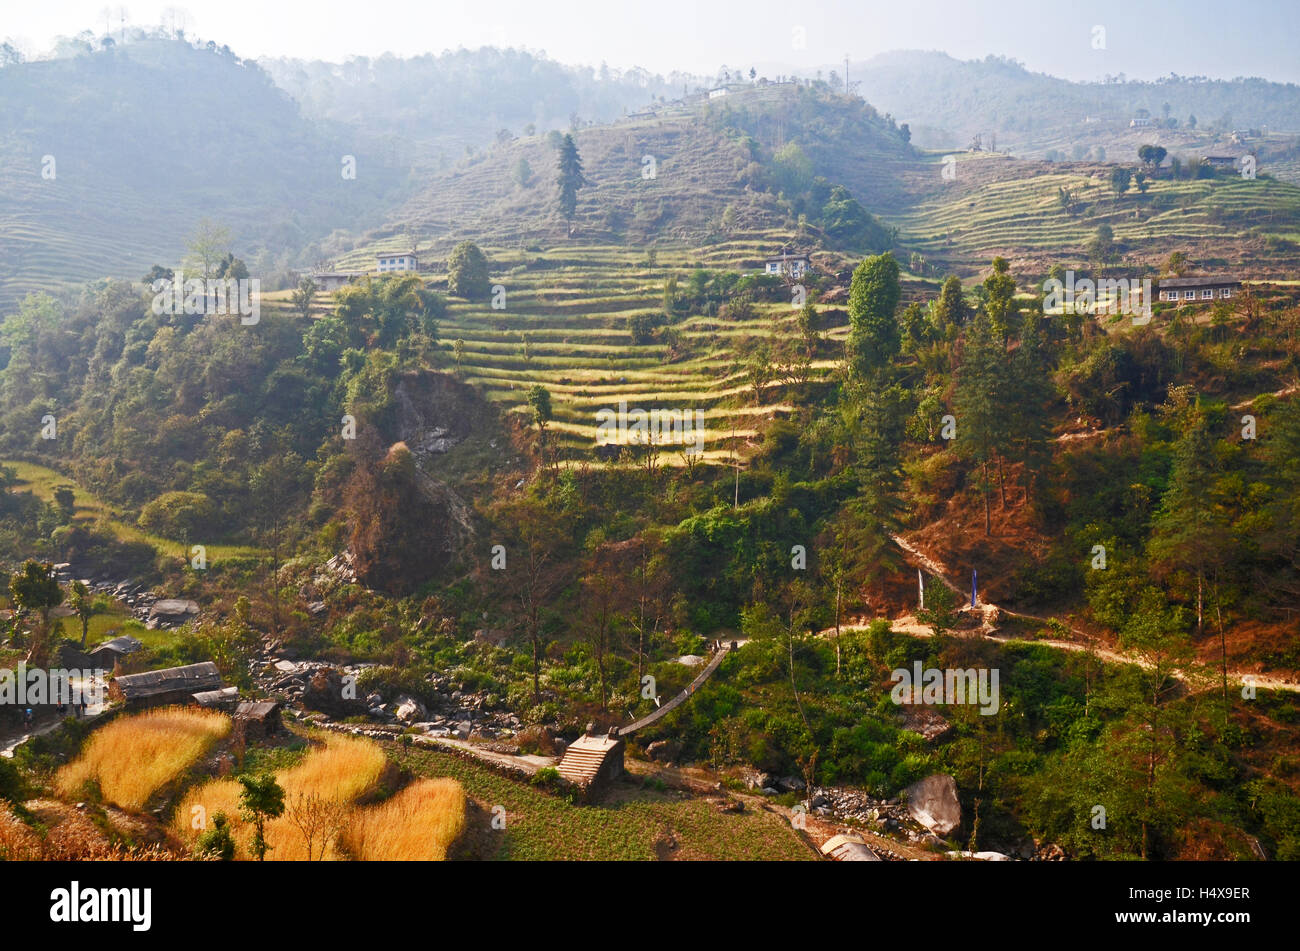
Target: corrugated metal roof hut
{"points": [[108, 653], [226, 697], [170, 685], [848, 848]]}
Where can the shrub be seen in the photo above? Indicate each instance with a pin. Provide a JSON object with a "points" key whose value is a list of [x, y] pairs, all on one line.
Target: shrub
{"points": [[179, 515]]}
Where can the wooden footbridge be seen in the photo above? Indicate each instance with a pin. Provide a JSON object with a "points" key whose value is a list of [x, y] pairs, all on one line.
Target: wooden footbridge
{"points": [[592, 760]]}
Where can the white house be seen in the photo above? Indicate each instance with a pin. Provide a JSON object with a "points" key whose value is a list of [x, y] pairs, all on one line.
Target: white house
{"points": [[793, 264], [1188, 289], [401, 261], [718, 93]]}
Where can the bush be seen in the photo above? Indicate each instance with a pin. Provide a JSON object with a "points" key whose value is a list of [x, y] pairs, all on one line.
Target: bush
{"points": [[217, 841], [467, 272], [179, 515], [547, 776]]}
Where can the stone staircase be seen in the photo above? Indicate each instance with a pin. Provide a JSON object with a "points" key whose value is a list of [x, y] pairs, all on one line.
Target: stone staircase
{"points": [[591, 760]]}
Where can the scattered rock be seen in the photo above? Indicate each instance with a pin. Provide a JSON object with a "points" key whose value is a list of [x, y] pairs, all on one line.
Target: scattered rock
{"points": [[409, 710], [664, 751]]}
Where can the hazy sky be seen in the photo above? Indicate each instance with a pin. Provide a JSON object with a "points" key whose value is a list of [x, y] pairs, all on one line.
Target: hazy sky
{"points": [[1143, 38]]}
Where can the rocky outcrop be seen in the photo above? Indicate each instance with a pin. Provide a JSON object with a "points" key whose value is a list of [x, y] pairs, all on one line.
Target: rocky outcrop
{"points": [[933, 802], [327, 691], [171, 611]]}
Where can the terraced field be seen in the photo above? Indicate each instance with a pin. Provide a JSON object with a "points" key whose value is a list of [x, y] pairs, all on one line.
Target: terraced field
{"points": [[564, 326], [996, 205]]}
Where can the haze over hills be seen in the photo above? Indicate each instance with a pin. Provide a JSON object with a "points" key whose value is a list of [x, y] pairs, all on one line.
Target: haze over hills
{"points": [[179, 132], [148, 138], [949, 101]]}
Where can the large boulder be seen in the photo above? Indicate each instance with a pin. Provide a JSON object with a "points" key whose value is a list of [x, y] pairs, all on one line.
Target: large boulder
{"points": [[933, 803], [664, 751], [172, 611], [327, 692], [410, 710]]}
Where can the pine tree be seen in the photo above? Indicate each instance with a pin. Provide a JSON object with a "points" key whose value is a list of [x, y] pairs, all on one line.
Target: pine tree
{"points": [[980, 403], [1031, 391], [1190, 531], [950, 309], [570, 178]]}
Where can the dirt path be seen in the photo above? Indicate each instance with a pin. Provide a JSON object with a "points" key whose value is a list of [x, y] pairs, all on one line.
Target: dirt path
{"points": [[93, 710], [908, 624]]}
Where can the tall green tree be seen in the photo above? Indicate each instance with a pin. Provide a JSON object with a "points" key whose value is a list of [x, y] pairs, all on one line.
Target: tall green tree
{"points": [[262, 798], [570, 178], [85, 605], [1031, 392], [874, 338], [1190, 536], [980, 403], [302, 296], [35, 588], [950, 309], [1000, 302]]}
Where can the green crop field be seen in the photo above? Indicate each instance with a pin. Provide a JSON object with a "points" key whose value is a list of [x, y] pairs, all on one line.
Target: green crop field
{"points": [[573, 319], [42, 482], [544, 827]]}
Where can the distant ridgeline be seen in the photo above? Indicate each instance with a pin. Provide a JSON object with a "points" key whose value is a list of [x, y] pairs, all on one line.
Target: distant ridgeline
{"points": [[110, 157]]}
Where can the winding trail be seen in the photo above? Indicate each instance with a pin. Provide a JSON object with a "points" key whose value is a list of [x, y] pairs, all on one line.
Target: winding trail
{"points": [[910, 625]]}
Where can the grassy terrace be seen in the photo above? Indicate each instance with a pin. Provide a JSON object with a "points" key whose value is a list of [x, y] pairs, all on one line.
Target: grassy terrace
{"points": [[571, 305], [633, 824], [1019, 210], [89, 507]]}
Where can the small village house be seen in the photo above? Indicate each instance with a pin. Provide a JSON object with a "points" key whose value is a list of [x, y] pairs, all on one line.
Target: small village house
{"points": [[224, 698], [1189, 289], [793, 265], [161, 687], [107, 654], [331, 281], [399, 261], [257, 719]]}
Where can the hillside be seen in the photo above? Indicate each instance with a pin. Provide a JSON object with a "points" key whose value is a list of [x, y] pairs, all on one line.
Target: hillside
{"points": [[949, 101], [752, 156], [147, 139], [434, 108]]}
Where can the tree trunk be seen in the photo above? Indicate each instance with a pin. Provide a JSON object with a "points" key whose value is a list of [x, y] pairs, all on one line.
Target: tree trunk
{"points": [[1200, 601], [839, 590], [988, 518], [1223, 654], [600, 668], [537, 680]]}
